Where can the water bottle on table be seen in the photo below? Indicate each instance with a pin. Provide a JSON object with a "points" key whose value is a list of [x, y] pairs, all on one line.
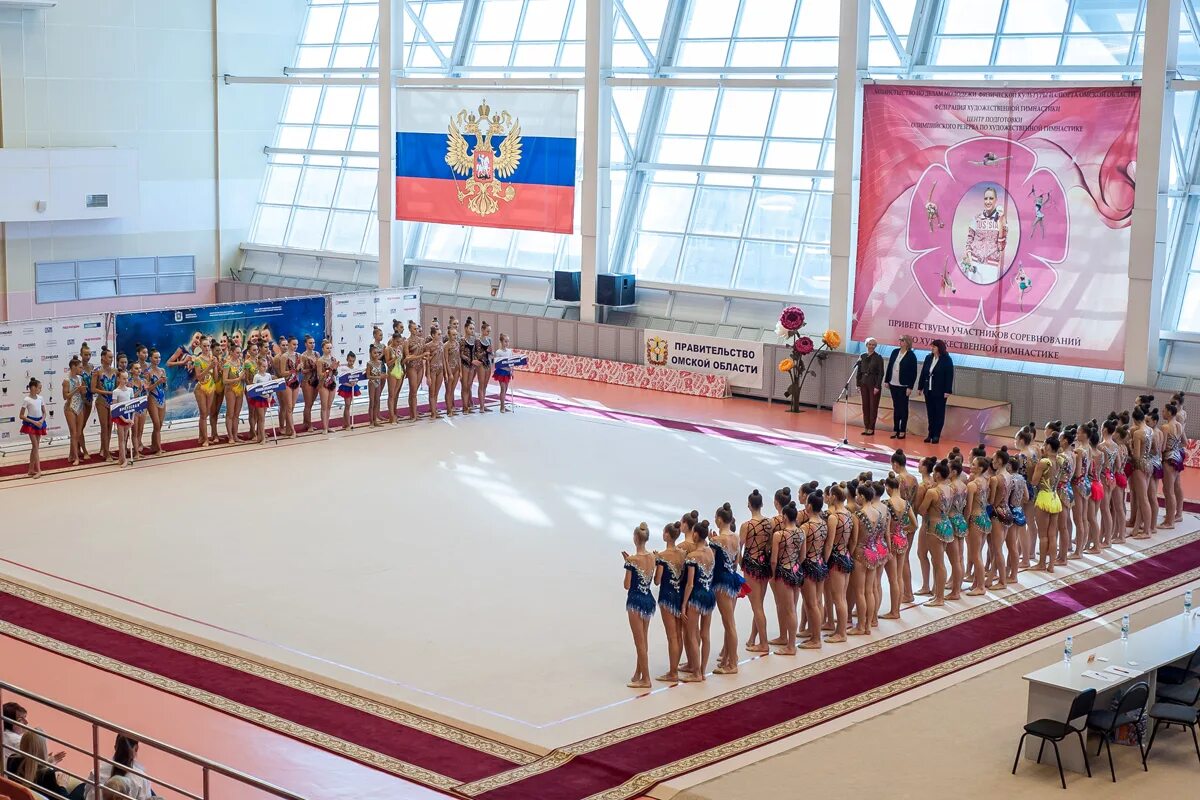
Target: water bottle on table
{"points": [[1125, 627], [1187, 602], [1067, 649]]}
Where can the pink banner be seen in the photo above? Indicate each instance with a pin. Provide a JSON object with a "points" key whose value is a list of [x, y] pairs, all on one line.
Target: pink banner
{"points": [[998, 220]]}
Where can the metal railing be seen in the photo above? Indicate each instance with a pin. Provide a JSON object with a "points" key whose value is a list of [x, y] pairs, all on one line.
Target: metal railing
{"points": [[207, 768]]}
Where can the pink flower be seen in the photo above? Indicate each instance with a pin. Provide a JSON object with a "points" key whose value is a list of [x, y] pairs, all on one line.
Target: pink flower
{"points": [[792, 319], [1001, 277], [803, 346]]}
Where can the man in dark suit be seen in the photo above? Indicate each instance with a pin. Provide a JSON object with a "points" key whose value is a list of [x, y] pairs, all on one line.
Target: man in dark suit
{"points": [[870, 383], [900, 378], [936, 384]]}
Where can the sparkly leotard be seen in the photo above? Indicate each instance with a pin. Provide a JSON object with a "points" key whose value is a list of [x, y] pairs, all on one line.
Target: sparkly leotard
{"points": [[898, 522], [670, 590], [640, 599], [872, 549], [980, 519], [787, 569], [1174, 451], [943, 529], [702, 598], [725, 576], [1048, 498], [816, 531], [76, 403], [839, 556], [958, 508], [756, 555], [1018, 496], [109, 384]]}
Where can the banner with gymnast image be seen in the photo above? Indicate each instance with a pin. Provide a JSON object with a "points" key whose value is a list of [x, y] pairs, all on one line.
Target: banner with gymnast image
{"points": [[43, 349], [171, 329], [998, 220]]}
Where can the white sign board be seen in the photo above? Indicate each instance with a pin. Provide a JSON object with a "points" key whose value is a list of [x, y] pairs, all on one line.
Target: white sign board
{"points": [[740, 361], [42, 349], [355, 314]]}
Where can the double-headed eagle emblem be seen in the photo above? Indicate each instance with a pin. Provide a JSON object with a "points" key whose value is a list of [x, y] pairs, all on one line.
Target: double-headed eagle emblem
{"points": [[483, 189]]}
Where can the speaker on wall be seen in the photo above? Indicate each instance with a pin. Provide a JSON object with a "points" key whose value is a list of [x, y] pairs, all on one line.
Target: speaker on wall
{"points": [[615, 289], [566, 286]]}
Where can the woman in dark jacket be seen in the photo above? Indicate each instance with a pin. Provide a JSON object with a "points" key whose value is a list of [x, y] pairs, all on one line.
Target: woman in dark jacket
{"points": [[936, 384], [901, 377]]}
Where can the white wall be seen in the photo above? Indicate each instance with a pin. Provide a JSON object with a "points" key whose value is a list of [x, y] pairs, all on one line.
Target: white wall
{"points": [[125, 73], [142, 74]]}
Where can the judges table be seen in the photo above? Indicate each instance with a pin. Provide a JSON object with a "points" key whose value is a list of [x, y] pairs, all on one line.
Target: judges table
{"points": [[1052, 688]]}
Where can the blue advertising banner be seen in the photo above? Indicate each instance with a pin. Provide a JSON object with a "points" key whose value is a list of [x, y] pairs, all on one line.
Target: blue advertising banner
{"points": [[168, 331]]}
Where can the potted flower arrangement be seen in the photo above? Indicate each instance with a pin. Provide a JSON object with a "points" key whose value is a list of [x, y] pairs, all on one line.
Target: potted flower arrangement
{"points": [[805, 353]]}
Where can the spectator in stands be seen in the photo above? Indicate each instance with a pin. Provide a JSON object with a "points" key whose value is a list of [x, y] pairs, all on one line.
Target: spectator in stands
{"points": [[13, 712], [116, 789], [16, 713], [28, 768], [125, 756]]}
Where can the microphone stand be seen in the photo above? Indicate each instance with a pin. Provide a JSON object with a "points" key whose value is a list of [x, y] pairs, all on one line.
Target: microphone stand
{"points": [[845, 396]]}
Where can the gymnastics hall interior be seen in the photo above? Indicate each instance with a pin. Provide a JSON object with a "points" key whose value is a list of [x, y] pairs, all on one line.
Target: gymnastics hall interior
{"points": [[434, 608]]}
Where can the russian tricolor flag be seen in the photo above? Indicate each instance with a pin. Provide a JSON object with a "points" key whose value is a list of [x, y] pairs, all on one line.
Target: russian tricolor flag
{"points": [[498, 159]]}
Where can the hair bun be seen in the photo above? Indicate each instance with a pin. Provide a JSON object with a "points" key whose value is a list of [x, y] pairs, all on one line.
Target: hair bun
{"points": [[727, 507], [753, 494]]}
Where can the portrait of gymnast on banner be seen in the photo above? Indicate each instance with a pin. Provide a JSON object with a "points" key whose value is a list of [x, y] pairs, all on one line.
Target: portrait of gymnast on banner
{"points": [[982, 258]]}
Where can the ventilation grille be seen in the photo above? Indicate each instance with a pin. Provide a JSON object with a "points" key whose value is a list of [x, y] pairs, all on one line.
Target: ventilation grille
{"points": [[96, 201]]}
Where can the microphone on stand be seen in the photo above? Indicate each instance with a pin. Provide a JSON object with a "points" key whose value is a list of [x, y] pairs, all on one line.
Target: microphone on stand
{"points": [[845, 397]]}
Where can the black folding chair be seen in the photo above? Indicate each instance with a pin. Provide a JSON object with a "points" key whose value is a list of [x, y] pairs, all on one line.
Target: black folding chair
{"points": [[1054, 731], [1178, 675], [1130, 710], [1185, 715]]}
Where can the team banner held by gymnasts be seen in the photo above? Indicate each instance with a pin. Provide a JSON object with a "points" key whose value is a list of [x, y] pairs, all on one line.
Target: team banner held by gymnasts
{"points": [[172, 329], [354, 314], [43, 349], [503, 159], [998, 220]]}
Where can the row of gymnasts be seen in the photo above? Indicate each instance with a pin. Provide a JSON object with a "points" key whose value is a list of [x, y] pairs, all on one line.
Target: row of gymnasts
{"points": [[975, 523]]}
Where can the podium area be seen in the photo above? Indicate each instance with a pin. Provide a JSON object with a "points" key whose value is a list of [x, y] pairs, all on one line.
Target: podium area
{"points": [[968, 419]]}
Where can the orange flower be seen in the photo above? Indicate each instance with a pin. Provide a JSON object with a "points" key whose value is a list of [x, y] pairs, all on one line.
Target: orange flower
{"points": [[786, 365], [832, 339]]}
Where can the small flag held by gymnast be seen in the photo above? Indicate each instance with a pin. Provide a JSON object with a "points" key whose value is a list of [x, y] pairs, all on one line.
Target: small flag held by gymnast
{"points": [[126, 409], [263, 391]]}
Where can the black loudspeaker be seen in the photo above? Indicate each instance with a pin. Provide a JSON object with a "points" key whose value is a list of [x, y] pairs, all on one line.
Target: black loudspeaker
{"points": [[566, 286], [615, 289]]}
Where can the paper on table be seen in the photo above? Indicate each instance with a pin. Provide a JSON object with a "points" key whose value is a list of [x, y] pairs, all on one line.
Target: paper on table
{"points": [[1099, 676], [1119, 670]]}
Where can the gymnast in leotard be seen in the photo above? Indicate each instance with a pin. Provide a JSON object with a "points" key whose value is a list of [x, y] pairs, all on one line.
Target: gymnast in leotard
{"points": [[787, 575], [639, 603], [156, 388], [233, 376], [72, 395], [668, 575], [698, 602], [728, 585], [755, 536], [104, 382]]}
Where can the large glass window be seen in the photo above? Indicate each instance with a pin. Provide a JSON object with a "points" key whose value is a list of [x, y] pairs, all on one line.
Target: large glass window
{"points": [[738, 191], [1104, 35]]}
